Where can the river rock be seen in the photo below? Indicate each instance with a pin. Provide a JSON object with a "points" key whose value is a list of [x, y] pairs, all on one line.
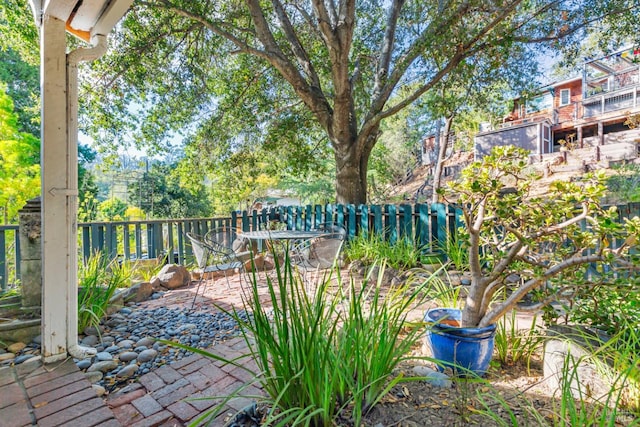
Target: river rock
{"points": [[92, 330], [16, 347], [6, 356], [105, 366], [104, 355], [146, 342], [83, 363], [128, 356], [127, 372], [126, 344], [147, 356], [435, 378], [100, 391], [22, 358], [90, 340], [93, 376]]}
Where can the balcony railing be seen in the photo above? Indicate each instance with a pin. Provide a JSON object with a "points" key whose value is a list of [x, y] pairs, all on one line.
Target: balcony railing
{"points": [[610, 101]]}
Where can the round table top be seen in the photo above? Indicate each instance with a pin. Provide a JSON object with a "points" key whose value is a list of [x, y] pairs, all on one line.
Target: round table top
{"points": [[281, 234]]}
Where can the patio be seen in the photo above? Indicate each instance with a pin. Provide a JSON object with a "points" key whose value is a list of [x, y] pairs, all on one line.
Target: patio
{"points": [[61, 394]]}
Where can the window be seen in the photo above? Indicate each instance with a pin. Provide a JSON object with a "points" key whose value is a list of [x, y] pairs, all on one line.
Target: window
{"points": [[565, 97], [540, 103]]}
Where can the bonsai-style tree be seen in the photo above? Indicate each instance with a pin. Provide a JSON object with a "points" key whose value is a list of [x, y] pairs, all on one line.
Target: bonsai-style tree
{"points": [[519, 242]]}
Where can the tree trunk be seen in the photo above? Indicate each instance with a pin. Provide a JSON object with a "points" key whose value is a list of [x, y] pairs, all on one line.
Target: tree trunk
{"points": [[471, 314], [442, 151], [351, 176]]}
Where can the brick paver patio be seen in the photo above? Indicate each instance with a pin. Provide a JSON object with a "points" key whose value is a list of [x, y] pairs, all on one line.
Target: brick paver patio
{"points": [[59, 394]]}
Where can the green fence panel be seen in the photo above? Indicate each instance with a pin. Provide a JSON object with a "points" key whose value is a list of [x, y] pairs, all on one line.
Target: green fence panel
{"points": [[352, 221], [364, 221], [422, 226], [390, 223], [405, 221]]}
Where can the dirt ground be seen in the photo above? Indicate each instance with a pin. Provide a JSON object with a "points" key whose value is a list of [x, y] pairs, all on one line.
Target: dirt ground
{"points": [[507, 391]]}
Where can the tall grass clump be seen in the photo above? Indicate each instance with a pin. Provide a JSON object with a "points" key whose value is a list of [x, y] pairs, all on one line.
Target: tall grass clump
{"points": [[98, 280], [369, 248], [577, 407], [442, 291], [513, 345], [456, 249], [326, 354]]}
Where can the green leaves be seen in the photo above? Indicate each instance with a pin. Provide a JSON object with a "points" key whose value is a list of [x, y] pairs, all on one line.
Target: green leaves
{"points": [[534, 238], [19, 162]]}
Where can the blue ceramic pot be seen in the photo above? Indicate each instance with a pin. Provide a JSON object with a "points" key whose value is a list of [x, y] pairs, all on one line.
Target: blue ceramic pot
{"points": [[466, 350]]}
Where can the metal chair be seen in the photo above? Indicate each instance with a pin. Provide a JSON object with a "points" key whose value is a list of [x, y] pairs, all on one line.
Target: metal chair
{"points": [[320, 252], [212, 256]]}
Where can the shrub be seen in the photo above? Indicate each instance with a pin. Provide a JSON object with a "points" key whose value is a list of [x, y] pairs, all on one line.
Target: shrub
{"points": [[538, 239], [98, 281], [326, 354], [369, 248]]}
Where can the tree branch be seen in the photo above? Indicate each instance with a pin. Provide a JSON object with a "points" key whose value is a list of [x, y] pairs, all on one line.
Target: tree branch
{"points": [[296, 46], [500, 309], [384, 61]]}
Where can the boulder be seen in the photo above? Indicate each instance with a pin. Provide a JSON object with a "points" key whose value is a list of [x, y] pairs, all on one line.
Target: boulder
{"points": [[155, 283], [139, 292], [174, 276], [571, 352]]}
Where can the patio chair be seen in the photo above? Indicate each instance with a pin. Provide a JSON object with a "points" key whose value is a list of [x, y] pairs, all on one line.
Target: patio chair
{"points": [[226, 239], [320, 252], [212, 256]]}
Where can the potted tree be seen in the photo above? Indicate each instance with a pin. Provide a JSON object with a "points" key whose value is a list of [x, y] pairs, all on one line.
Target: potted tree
{"points": [[520, 243]]}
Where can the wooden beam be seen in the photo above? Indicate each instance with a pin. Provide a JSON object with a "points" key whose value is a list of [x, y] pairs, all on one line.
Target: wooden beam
{"points": [[55, 290]]}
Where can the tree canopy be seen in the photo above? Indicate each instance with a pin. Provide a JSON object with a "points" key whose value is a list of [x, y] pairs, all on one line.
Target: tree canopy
{"points": [[19, 166], [237, 75], [294, 83]]}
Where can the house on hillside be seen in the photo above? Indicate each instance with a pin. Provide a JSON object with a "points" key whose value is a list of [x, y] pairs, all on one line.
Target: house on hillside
{"points": [[597, 112]]}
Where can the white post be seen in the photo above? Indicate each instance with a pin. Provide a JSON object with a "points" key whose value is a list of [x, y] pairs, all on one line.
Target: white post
{"points": [[59, 171], [55, 226], [73, 58]]}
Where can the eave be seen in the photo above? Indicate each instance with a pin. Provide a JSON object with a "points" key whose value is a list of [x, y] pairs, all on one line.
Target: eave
{"points": [[83, 18]]}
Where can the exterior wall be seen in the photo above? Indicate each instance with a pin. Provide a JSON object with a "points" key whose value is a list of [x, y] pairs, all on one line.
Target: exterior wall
{"points": [[568, 113], [525, 136]]}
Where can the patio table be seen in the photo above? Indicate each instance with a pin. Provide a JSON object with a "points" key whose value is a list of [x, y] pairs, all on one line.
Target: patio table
{"points": [[281, 234], [285, 238]]}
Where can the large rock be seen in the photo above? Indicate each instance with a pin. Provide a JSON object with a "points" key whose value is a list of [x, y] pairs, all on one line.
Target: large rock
{"points": [[174, 276], [139, 292], [570, 354], [155, 283]]}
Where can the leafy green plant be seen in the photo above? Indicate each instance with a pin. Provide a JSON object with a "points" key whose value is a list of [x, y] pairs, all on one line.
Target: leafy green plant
{"points": [[537, 239], [609, 304], [369, 248], [326, 354], [623, 186], [514, 345], [98, 281]]}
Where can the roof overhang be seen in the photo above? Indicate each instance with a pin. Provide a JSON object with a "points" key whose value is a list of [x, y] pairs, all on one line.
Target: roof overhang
{"points": [[83, 18]]}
